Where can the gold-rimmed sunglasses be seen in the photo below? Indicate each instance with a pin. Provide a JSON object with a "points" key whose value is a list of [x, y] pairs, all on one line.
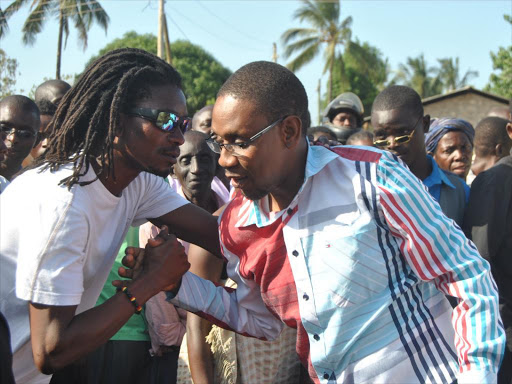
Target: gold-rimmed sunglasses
{"points": [[399, 140]]}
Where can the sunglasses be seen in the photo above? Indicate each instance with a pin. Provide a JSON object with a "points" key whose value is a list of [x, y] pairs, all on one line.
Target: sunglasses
{"points": [[399, 140], [166, 121], [21, 133]]}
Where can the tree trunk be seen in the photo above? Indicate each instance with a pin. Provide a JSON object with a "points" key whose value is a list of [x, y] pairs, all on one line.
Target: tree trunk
{"points": [[59, 43]]}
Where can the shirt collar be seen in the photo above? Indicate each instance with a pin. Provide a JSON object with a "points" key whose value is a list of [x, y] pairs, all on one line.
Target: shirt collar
{"points": [[258, 213], [437, 176]]}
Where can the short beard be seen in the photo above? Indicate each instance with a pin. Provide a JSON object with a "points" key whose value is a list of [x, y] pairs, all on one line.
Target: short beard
{"points": [[255, 195]]}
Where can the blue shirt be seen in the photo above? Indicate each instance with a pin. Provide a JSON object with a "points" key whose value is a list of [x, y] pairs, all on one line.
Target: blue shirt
{"points": [[437, 178]]}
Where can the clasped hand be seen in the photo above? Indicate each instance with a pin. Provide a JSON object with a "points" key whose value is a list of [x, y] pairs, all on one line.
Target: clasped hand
{"points": [[162, 263]]}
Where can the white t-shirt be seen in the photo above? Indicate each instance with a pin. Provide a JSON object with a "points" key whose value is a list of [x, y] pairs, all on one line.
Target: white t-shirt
{"points": [[61, 245]]}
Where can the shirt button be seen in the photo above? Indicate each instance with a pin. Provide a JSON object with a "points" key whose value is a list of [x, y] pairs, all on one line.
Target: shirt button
{"points": [[305, 297], [295, 253], [316, 337], [290, 211], [326, 376]]}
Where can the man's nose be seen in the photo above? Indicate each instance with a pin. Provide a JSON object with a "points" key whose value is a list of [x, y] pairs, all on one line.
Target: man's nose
{"points": [[176, 136], [227, 159]]}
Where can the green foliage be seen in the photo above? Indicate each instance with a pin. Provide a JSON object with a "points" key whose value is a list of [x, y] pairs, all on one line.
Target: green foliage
{"points": [[202, 74], [82, 13], [362, 70], [326, 30], [500, 82], [8, 72], [417, 74], [449, 74]]}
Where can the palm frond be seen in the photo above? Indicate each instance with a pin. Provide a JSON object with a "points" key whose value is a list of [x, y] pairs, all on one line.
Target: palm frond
{"points": [[36, 19], [330, 56], [299, 45], [294, 33], [3, 24], [14, 7], [304, 58], [346, 24], [99, 14], [311, 13]]}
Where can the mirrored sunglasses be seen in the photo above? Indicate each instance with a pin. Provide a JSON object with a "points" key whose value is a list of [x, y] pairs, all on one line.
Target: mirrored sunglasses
{"points": [[164, 120]]}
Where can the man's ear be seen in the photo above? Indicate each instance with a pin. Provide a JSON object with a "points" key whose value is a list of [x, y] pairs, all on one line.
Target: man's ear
{"points": [[509, 130], [498, 151], [291, 131], [426, 123]]}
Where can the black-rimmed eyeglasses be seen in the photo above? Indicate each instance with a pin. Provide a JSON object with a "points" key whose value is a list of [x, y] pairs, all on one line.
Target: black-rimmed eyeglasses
{"points": [[238, 148]]}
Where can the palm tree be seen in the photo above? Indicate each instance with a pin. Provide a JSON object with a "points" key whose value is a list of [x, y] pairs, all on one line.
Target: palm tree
{"points": [[81, 12], [326, 29], [449, 74], [3, 23], [419, 76]]}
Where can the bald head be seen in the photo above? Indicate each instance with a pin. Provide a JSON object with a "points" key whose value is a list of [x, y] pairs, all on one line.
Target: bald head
{"points": [[49, 94], [202, 120], [195, 168]]}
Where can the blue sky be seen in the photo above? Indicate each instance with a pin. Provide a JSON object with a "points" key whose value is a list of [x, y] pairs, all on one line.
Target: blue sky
{"points": [[238, 32]]}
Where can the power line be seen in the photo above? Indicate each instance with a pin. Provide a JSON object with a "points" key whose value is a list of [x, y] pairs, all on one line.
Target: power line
{"points": [[177, 26], [221, 38], [230, 25]]}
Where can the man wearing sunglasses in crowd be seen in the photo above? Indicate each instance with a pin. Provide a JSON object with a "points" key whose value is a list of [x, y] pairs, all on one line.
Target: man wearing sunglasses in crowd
{"points": [[399, 126], [115, 136], [19, 122], [343, 244]]}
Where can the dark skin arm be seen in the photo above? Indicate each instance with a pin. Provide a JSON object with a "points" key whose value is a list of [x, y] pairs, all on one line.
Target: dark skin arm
{"points": [[194, 225], [60, 337], [207, 266]]}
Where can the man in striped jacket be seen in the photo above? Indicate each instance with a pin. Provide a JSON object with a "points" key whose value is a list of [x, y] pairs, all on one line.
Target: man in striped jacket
{"points": [[344, 244]]}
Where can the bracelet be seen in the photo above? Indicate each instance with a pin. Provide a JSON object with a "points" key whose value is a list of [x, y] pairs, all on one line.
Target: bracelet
{"points": [[133, 300]]}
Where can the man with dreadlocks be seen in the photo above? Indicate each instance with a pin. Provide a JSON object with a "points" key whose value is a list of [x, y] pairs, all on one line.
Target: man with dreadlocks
{"points": [[114, 133]]}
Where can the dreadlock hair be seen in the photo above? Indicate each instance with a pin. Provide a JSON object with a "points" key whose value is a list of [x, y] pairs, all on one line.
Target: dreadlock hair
{"points": [[87, 119]]}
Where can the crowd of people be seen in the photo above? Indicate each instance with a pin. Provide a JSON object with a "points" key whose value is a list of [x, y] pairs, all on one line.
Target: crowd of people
{"points": [[243, 245]]}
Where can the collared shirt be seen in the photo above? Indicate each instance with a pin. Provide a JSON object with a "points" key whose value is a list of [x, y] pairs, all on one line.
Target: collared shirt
{"points": [[360, 263], [437, 178]]}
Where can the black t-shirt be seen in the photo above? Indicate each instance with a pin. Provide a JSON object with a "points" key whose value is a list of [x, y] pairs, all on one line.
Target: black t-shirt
{"points": [[488, 222], [6, 376]]}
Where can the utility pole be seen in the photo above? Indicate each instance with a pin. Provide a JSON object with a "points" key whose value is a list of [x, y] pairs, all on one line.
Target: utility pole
{"points": [[319, 102], [167, 43], [159, 36], [274, 52]]}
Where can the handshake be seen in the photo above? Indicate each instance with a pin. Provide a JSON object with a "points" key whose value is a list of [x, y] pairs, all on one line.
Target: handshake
{"points": [[160, 265]]}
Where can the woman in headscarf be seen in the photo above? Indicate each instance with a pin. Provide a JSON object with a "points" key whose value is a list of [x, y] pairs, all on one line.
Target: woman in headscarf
{"points": [[450, 142]]}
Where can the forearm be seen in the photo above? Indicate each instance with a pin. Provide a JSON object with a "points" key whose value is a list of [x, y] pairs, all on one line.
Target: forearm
{"points": [[241, 310], [65, 338], [199, 351]]}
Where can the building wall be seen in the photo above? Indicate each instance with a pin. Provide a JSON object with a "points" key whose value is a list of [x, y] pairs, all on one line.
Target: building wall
{"points": [[471, 107]]}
